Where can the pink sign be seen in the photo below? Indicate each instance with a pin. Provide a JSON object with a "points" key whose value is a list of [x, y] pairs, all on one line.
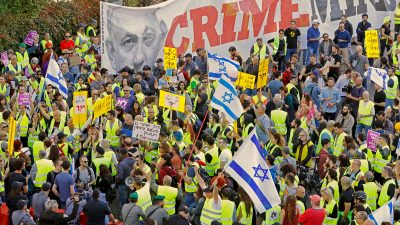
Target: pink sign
{"points": [[29, 39], [4, 58], [372, 137], [24, 99], [122, 102]]}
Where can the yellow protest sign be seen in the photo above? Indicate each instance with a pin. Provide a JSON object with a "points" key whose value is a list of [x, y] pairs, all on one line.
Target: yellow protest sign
{"points": [[80, 108], [11, 135], [172, 101], [246, 80], [262, 73], [102, 106], [372, 44], [170, 58]]}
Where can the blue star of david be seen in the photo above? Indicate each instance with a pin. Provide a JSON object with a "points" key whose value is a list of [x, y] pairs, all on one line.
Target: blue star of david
{"points": [[222, 67], [264, 175], [227, 98]]}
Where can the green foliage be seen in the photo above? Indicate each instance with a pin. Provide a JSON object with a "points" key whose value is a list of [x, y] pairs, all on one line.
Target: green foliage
{"points": [[21, 16]]}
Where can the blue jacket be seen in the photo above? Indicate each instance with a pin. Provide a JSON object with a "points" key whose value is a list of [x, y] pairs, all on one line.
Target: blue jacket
{"points": [[314, 91], [330, 93], [344, 35], [313, 33]]}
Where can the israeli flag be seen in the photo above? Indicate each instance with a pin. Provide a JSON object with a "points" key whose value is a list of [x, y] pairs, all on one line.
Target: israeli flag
{"points": [[249, 168], [218, 65], [378, 76], [226, 100], [383, 214], [56, 78]]}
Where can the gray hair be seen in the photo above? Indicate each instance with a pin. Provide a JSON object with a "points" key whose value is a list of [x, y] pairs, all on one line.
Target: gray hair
{"points": [[42, 154], [49, 205]]}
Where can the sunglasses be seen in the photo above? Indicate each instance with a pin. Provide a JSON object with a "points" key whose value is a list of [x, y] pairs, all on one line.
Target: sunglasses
{"points": [[325, 37]]}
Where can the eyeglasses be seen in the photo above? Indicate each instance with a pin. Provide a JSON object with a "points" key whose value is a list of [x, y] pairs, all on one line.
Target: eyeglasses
{"points": [[67, 36], [325, 37], [281, 33]]}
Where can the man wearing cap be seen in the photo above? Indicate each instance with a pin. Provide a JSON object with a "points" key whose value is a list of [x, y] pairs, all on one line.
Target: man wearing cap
{"points": [[315, 214], [157, 211], [40, 169], [21, 216], [313, 36], [81, 42], [131, 212], [182, 218], [39, 200], [158, 67], [150, 79], [330, 98], [22, 55], [190, 66], [99, 160]]}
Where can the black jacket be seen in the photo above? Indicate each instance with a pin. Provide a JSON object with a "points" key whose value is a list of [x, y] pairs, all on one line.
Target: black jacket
{"points": [[51, 218]]}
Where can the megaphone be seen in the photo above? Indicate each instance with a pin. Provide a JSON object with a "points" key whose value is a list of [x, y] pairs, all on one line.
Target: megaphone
{"points": [[128, 181]]}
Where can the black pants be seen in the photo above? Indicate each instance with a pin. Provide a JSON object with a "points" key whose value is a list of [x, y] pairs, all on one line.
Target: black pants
{"points": [[330, 116]]}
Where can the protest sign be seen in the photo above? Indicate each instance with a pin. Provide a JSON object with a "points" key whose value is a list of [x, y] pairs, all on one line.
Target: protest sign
{"points": [[24, 99], [11, 135], [172, 79], [74, 60], [30, 38], [372, 137], [102, 106], [262, 73], [246, 80], [170, 58], [80, 108], [4, 58], [172, 101], [122, 102], [372, 44], [146, 131]]}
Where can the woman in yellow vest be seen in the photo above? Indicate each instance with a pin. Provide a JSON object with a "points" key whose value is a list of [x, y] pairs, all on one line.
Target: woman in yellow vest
{"points": [[244, 211], [248, 125], [34, 129], [90, 59], [303, 149], [329, 204], [274, 146], [92, 142], [137, 89], [213, 124], [80, 85]]}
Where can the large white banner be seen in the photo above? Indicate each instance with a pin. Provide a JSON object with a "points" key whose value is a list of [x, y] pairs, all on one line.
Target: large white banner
{"points": [[135, 37]]}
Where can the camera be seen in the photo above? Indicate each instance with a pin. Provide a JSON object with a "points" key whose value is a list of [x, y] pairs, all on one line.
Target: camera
{"points": [[86, 186], [347, 88]]}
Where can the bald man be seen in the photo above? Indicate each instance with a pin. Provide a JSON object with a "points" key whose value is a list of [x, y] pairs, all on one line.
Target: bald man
{"points": [[346, 198], [300, 194]]}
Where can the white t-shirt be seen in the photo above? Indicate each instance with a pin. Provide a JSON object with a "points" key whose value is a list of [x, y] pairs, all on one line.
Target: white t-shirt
{"points": [[225, 156]]}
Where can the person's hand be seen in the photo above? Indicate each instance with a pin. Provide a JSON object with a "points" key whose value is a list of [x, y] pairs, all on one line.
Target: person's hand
{"points": [[179, 185]]}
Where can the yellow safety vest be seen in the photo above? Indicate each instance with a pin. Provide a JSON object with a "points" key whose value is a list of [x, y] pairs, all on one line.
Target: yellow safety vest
{"points": [[391, 92], [99, 161], [383, 196], [290, 143], [329, 209], [146, 110], [144, 197], [364, 165], [397, 15], [260, 52], [335, 186], [246, 130], [215, 163], [32, 137], [3, 152], [75, 144], [170, 194], [300, 205], [37, 146], [23, 121], [90, 59], [324, 131], [278, 116], [227, 209], [16, 69], [365, 110], [64, 149], [2, 189], [112, 133], [23, 59], [289, 86], [338, 147], [192, 187], [140, 97], [304, 153], [60, 126], [90, 28], [109, 155], [78, 42], [380, 162], [3, 90], [276, 45], [44, 42], [79, 87], [209, 214], [246, 219], [273, 215], [44, 166], [371, 189]]}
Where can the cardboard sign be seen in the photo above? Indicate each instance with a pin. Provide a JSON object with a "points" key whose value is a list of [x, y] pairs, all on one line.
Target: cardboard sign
{"points": [[372, 44], [172, 79], [102, 106], [29, 39], [246, 80], [4, 58], [122, 102], [262, 73], [74, 60], [24, 99], [372, 137], [172, 101], [80, 108], [146, 131], [170, 58]]}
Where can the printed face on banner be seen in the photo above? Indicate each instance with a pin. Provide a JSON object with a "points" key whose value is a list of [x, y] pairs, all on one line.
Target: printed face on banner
{"points": [[172, 101], [135, 39]]}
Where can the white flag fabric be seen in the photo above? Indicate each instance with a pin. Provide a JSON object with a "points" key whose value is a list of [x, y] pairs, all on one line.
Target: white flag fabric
{"points": [[383, 214], [378, 76], [218, 66], [250, 170], [56, 78], [226, 99]]}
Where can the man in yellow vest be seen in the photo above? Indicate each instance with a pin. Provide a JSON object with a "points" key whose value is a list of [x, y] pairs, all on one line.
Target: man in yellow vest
{"points": [[261, 50], [366, 112], [382, 156], [171, 194], [91, 30], [40, 169], [228, 213], [280, 118], [14, 66], [361, 198], [100, 160], [112, 128], [397, 19], [338, 146], [38, 145], [22, 55], [212, 157], [212, 208], [392, 87], [371, 190], [144, 197], [388, 188], [81, 42], [45, 41], [326, 133], [4, 88]]}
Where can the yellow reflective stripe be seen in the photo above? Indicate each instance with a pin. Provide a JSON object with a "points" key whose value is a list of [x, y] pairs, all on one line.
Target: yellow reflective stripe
{"points": [[212, 212]]}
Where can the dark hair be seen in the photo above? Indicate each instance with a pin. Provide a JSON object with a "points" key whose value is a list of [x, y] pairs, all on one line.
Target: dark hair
{"points": [[344, 160], [42, 136], [337, 125], [54, 154], [65, 165], [149, 221], [104, 171], [210, 140], [333, 174], [96, 194], [112, 113], [271, 159], [19, 163], [325, 141], [288, 168], [232, 48], [359, 207], [167, 157]]}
